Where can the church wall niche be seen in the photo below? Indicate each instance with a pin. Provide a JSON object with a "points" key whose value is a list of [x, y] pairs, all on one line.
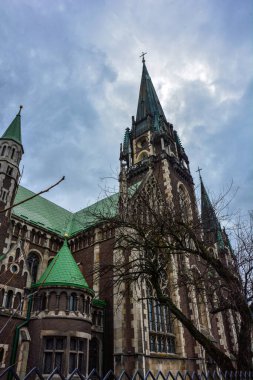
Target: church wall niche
{"points": [[63, 301]]}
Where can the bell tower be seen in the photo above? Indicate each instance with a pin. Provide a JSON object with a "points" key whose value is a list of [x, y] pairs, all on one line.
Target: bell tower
{"points": [[11, 151], [151, 138]]}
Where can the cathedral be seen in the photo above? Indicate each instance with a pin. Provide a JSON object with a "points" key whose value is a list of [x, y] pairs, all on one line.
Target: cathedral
{"points": [[55, 311]]}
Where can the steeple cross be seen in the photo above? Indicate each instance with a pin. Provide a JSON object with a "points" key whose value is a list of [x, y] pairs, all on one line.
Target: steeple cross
{"points": [[199, 169], [142, 55]]}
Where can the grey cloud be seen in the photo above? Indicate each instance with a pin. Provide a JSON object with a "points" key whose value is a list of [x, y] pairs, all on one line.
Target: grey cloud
{"points": [[74, 65]]}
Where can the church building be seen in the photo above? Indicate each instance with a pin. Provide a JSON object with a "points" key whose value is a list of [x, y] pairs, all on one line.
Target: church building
{"points": [[55, 309]]}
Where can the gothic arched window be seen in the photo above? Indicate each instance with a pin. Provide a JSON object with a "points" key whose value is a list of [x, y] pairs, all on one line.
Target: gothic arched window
{"points": [[9, 299], [33, 265], [161, 337], [184, 202]]}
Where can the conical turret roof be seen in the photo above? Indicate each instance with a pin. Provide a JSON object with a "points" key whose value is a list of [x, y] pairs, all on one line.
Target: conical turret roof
{"points": [[148, 103], [13, 132], [63, 271]]}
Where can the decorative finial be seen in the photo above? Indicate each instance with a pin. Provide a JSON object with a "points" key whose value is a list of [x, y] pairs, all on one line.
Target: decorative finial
{"points": [[142, 55], [20, 108], [199, 169]]}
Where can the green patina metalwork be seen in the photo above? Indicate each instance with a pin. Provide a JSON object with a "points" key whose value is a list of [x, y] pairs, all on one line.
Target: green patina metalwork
{"points": [[99, 303], [45, 214], [41, 212], [13, 132], [148, 103], [63, 271]]}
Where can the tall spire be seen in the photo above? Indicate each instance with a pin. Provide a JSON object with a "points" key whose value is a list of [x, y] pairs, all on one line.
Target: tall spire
{"points": [[13, 132], [208, 215], [148, 103]]}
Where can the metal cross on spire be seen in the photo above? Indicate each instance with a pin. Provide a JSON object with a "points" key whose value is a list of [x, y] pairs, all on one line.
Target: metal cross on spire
{"points": [[199, 169], [142, 55]]}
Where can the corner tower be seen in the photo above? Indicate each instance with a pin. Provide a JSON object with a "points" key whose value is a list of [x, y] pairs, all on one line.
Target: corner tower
{"points": [[11, 151], [153, 158]]}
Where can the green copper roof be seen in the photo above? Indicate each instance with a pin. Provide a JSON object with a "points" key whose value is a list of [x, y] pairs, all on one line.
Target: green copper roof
{"points": [[89, 216], [42, 212], [98, 303], [13, 132], [48, 215], [148, 103], [63, 271]]}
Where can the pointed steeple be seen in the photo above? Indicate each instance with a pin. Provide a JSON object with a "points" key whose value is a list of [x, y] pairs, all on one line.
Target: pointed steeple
{"points": [[63, 271], [208, 216], [13, 132], [148, 103]]}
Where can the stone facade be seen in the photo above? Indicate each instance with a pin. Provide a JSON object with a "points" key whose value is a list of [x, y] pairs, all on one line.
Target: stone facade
{"points": [[112, 327]]}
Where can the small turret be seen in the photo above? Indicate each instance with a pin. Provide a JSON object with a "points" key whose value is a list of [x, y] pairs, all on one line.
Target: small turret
{"points": [[11, 151]]}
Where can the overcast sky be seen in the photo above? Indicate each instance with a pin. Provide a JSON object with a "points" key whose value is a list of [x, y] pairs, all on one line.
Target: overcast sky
{"points": [[75, 67]]}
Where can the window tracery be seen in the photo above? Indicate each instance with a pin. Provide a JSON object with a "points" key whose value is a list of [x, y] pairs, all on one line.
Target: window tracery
{"points": [[33, 265], [161, 336], [184, 203]]}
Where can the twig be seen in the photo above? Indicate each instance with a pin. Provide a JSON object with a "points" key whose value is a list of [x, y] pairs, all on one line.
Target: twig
{"points": [[33, 196]]}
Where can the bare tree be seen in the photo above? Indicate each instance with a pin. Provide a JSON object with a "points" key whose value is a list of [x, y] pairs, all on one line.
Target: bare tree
{"points": [[150, 232]]}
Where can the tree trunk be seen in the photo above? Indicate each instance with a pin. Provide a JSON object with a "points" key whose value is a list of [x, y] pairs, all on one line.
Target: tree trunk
{"points": [[221, 359], [244, 356]]}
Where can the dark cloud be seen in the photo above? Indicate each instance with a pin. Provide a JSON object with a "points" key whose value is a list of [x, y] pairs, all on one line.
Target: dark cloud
{"points": [[74, 65]]}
